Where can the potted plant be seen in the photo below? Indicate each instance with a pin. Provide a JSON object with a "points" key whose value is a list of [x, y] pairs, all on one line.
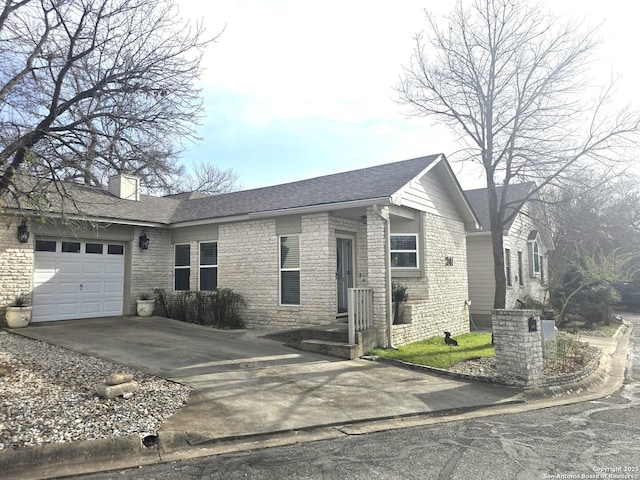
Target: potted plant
{"points": [[399, 296], [145, 304], [19, 313]]}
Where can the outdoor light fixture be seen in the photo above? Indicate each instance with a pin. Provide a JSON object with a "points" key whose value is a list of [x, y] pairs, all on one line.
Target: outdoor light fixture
{"points": [[363, 219], [143, 241], [533, 327], [23, 232]]}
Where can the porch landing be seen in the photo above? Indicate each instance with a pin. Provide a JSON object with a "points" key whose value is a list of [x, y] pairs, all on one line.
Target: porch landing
{"points": [[332, 340]]}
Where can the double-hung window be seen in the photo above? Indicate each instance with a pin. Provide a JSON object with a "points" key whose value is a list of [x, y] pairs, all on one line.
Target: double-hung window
{"points": [[182, 264], [290, 270], [520, 269], [404, 251], [507, 265], [535, 258], [208, 265]]}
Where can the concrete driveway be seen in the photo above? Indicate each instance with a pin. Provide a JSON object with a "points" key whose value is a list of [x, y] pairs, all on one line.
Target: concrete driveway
{"points": [[246, 384]]}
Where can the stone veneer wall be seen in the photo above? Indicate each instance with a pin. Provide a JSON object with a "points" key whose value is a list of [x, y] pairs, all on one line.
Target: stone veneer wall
{"points": [[153, 268], [437, 301], [248, 255], [518, 351], [16, 263], [376, 270]]}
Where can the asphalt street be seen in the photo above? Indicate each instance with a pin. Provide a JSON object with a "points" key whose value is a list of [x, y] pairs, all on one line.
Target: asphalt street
{"points": [[595, 439]]}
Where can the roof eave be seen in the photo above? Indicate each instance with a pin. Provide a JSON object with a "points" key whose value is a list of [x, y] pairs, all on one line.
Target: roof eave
{"points": [[286, 211]]}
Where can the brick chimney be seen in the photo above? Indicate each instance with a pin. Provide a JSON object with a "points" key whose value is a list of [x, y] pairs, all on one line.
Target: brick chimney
{"points": [[125, 186]]}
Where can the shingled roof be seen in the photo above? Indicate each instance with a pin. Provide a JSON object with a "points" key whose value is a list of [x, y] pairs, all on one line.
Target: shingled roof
{"points": [[361, 185], [369, 183], [480, 204]]}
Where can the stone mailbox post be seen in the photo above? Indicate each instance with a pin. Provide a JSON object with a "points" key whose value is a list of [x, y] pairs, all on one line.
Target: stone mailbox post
{"points": [[518, 343]]}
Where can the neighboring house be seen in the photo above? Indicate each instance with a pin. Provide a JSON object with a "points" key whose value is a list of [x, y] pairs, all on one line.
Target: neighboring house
{"points": [[291, 250], [526, 244]]}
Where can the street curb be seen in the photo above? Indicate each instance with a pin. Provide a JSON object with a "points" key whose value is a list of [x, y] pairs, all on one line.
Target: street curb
{"points": [[605, 380], [74, 458]]}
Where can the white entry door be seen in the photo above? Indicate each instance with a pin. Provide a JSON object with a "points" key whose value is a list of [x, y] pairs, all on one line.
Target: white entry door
{"points": [[77, 279]]}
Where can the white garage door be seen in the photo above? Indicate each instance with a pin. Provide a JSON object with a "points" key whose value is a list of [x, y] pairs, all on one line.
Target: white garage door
{"points": [[77, 279]]}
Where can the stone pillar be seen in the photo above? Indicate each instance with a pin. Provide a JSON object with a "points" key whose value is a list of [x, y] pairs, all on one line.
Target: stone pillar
{"points": [[377, 270], [518, 350]]}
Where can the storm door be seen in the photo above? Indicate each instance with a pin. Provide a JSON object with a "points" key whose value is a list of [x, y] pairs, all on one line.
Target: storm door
{"points": [[344, 271]]}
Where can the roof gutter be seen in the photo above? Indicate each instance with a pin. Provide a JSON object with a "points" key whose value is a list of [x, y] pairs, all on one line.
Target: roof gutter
{"points": [[84, 218], [286, 211], [323, 207]]}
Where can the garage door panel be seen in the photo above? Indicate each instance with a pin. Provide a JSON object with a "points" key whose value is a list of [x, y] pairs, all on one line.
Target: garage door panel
{"points": [[89, 288], [67, 288], [113, 287], [70, 308], [45, 289], [77, 285], [114, 268], [69, 267], [91, 308], [92, 267], [113, 308]]}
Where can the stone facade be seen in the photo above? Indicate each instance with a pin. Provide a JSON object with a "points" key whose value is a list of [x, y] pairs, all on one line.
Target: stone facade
{"points": [[17, 263], [437, 301], [248, 263], [377, 263], [248, 256], [518, 351], [152, 268]]}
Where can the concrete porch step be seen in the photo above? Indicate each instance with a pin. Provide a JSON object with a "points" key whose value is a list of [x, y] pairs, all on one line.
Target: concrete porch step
{"points": [[332, 333], [328, 347]]}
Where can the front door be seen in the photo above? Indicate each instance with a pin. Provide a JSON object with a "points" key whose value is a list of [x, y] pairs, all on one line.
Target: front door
{"points": [[344, 271]]}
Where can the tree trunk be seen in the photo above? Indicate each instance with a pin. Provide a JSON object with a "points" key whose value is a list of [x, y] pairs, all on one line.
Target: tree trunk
{"points": [[497, 243]]}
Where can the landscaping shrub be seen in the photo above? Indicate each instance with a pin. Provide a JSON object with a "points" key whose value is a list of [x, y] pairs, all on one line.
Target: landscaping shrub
{"points": [[570, 355], [217, 308]]}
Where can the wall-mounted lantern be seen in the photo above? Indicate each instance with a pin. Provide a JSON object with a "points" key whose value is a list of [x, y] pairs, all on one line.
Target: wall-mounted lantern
{"points": [[23, 232], [143, 241], [363, 219], [448, 261], [533, 326]]}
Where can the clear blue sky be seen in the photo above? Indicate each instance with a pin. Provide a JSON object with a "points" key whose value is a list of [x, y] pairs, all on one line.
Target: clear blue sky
{"points": [[295, 89]]}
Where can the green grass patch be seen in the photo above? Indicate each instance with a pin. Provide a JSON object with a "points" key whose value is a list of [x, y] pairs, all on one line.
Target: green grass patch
{"points": [[434, 353]]}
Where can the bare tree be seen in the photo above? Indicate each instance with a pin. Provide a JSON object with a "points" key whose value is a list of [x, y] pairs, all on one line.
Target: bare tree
{"points": [[511, 81], [204, 178], [90, 88]]}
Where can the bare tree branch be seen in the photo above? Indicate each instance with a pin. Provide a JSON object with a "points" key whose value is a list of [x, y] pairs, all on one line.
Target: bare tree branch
{"points": [[512, 82], [91, 88]]}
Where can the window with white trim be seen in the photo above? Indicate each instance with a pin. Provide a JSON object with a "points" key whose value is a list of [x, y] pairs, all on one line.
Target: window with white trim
{"points": [[535, 258], [507, 265], [520, 270], [290, 270], [182, 267], [208, 265], [404, 251]]}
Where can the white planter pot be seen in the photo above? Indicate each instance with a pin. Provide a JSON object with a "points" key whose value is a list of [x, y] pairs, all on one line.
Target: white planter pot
{"points": [[18, 317], [145, 307]]}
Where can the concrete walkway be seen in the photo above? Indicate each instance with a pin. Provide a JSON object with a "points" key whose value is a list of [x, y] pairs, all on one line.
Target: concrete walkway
{"points": [[252, 390]]}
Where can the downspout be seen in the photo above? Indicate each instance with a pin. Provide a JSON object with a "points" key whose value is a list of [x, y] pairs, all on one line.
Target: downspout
{"points": [[387, 264]]}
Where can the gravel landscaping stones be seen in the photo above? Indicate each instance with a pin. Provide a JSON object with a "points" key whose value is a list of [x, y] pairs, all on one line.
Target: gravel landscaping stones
{"points": [[47, 395]]}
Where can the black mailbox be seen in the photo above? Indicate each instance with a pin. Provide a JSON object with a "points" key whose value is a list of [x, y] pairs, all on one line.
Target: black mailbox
{"points": [[533, 327]]}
